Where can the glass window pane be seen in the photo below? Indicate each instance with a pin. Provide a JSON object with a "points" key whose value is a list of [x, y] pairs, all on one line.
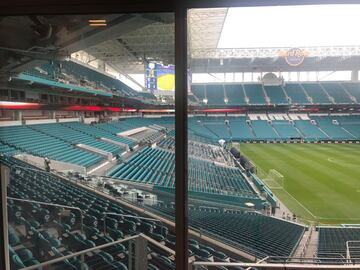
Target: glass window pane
{"points": [[87, 140], [272, 143]]}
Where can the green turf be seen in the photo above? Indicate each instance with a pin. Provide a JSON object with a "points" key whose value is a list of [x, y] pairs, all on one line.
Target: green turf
{"points": [[321, 182]]}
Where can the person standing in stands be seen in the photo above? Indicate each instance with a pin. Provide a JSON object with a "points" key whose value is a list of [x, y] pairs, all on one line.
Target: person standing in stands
{"points": [[47, 164]]}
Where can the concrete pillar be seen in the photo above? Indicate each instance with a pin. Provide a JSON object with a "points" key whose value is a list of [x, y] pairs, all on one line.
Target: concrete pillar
{"points": [[18, 115]]}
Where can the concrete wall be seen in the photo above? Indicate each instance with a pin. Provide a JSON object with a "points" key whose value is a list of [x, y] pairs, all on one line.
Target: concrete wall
{"points": [[89, 120], [40, 121], [64, 120], [10, 123], [55, 164], [132, 131]]}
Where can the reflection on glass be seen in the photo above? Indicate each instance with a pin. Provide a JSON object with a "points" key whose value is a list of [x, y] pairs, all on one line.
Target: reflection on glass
{"points": [[87, 140], [273, 131]]}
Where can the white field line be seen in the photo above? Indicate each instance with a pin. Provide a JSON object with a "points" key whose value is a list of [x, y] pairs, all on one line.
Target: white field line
{"points": [[307, 210]]}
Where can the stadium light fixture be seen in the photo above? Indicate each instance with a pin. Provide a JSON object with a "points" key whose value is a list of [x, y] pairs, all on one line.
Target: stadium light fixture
{"points": [[226, 100], [205, 100]]}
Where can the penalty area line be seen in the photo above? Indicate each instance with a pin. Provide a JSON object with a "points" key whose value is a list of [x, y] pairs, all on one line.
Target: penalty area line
{"points": [[307, 210]]}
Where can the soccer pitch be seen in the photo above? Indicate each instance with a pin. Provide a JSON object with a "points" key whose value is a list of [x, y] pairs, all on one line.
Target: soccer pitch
{"points": [[321, 181]]}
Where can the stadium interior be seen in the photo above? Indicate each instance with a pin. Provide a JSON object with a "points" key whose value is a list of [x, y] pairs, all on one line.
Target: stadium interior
{"points": [[88, 143]]}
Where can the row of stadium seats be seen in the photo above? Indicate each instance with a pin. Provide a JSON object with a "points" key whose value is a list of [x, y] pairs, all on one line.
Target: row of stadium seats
{"points": [[169, 141], [26, 139], [242, 128], [206, 151], [148, 136], [254, 233], [77, 74], [332, 242], [7, 150], [93, 131], [290, 93], [73, 136], [156, 167]]}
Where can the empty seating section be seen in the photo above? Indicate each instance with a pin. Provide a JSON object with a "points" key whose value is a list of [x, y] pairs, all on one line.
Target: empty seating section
{"points": [[336, 91], [285, 129], [310, 131], [136, 122], [317, 94], [215, 94], [148, 135], [289, 93], [209, 152], [81, 72], [255, 94], [150, 166], [199, 91], [37, 234], [332, 241], [168, 142], [156, 167], [97, 133], [235, 94], [254, 233], [263, 234], [36, 143], [198, 128], [263, 130], [334, 131], [276, 94], [7, 150], [240, 129], [219, 128], [350, 123], [63, 73], [296, 93], [353, 89], [73, 136]]}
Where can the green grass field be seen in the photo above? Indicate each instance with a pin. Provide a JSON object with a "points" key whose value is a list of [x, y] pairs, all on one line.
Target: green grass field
{"points": [[321, 182]]}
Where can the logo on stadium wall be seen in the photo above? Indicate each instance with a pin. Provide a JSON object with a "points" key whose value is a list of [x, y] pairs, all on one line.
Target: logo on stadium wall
{"points": [[294, 57]]}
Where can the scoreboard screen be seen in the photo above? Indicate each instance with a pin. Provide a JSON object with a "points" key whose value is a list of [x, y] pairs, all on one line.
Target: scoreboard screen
{"points": [[160, 77]]}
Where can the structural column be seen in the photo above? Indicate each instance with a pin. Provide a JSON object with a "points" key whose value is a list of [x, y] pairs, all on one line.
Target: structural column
{"points": [[181, 155]]}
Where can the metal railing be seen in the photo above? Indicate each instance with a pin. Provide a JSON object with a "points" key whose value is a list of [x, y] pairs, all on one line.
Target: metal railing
{"points": [[141, 241], [129, 216], [350, 247], [249, 266], [55, 205]]}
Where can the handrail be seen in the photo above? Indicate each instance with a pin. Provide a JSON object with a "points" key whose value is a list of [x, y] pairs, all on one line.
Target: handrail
{"points": [[156, 243], [329, 253], [348, 255], [276, 265], [258, 262], [55, 205], [131, 216], [79, 253]]}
